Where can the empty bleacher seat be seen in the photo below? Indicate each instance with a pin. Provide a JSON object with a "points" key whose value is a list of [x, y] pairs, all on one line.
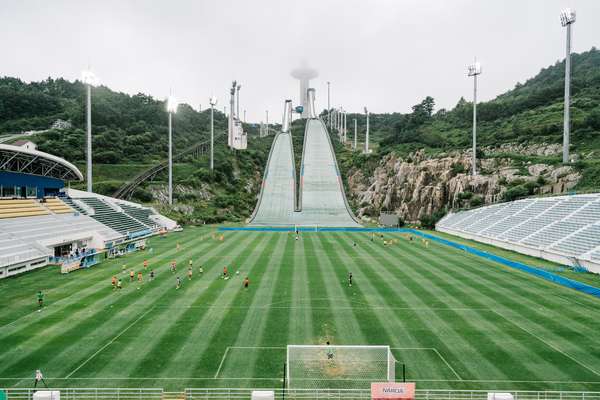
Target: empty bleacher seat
{"points": [[21, 208], [117, 220]]}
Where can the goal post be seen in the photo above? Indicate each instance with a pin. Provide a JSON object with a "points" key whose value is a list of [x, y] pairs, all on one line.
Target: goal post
{"points": [[328, 366]]}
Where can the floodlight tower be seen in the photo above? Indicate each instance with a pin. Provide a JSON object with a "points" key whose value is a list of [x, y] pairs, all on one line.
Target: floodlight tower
{"points": [[567, 18], [267, 112], [355, 130], [474, 70], [304, 74], [90, 79], [171, 108], [367, 133], [231, 113], [213, 103], [237, 113], [328, 104]]}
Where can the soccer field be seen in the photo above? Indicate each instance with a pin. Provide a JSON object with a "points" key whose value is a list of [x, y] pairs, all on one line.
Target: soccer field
{"points": [[454, 320]]}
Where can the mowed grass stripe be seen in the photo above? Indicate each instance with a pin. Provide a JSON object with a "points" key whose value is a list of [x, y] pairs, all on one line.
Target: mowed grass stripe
{"points": [[462, 287], [141, 339], [323, 325], [300, 327], [59, 337], [394, 270], [472, 283], [225, 326], [347, 326], [253, 327]]}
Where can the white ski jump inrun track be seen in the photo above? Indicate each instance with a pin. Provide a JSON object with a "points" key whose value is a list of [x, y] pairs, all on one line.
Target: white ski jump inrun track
{"points": [[320, 201]]}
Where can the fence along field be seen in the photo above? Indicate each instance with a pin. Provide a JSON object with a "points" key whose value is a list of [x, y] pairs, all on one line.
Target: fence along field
{"points": [[455, 320]]}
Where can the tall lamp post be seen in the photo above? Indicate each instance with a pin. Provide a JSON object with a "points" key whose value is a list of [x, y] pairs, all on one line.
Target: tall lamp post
{"points": [[90, 79], [355, 130], [238, 101], [474, 70], [567, 18], [213, 103], [328, 104], [171, 108], [267, 111], [367, 133]]}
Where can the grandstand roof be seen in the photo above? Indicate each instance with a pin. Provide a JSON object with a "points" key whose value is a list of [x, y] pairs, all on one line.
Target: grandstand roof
{"points": [[34, 162]]}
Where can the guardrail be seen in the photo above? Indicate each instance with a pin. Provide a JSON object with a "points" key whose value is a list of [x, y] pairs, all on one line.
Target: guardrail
{"points": [[290, 394], [89, 393], [360, 394]]}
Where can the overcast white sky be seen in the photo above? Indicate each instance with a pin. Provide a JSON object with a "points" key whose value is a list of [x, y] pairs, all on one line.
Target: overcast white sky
{"points": [[386, 54]]}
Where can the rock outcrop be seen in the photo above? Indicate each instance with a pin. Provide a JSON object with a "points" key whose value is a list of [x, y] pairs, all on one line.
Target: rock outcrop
{"points": [[420, 185]]}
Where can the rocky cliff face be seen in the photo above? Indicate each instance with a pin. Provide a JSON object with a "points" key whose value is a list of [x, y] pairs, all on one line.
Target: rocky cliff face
{"points": [[420, 185]]}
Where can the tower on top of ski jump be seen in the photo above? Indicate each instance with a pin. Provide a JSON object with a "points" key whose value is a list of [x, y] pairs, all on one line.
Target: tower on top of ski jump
{"points": [[304, 74]]}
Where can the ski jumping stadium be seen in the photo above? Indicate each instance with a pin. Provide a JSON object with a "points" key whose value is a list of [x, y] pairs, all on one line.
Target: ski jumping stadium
{"points": [[43, 222]]}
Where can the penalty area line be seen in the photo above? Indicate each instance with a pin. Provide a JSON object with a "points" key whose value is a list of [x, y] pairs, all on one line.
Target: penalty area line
{"points": [[241, 347], [109, 343]]}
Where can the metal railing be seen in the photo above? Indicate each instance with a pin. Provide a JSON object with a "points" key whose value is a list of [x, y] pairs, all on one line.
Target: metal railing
{"points": [[290, 394], [89, 393]]}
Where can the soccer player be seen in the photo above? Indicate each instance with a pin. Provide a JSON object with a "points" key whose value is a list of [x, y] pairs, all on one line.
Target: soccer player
{"points": [[151, 275], [190, 263], [173, 266], [190, 273], [178, 246], [131, 275], [178, 283], [145, 264], [350, 279], [329, 351], [124, 268], [119, 284], [40, 298], [201, 270], [225, 272], [114, 282], [246, 282], [140, 277]]}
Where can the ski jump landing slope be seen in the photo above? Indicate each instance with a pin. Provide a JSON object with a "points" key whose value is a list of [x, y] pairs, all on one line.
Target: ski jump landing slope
{"points": [[277, 199], [321, 200]]}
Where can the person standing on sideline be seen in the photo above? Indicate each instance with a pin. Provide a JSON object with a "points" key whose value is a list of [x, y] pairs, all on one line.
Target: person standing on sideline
{"points": [[178, 283], [39, 378], [40, 299], [246, 283]]}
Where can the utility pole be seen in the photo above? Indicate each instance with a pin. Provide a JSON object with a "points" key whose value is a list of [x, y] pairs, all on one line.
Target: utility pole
{"points": [[267, 122], [367, 133], [213, 103], [328, 105]]}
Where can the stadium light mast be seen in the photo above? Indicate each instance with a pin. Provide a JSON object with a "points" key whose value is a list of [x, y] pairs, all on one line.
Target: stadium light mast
{"points": [[367, 132], [237, 113], [90, 79], [474, 70], [244, 116], [213, 103], [171, 108], [328, 104], [267, 112], [567, 18], [355, 130]]}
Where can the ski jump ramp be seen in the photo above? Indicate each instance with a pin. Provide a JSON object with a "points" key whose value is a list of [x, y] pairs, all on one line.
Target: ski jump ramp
{"points": [[320, 201]]}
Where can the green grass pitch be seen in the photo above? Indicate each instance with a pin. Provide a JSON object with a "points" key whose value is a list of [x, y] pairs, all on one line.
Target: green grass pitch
{"points": [[455, 320]]}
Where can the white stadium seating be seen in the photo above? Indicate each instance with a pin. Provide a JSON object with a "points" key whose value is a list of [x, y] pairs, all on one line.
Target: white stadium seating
{"points": [[564, 229]]}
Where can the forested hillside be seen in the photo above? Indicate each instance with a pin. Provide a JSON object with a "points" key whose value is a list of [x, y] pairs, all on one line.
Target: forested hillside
{"points": [[129, 136]]}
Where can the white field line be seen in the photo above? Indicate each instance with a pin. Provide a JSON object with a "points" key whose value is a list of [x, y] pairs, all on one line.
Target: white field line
{"points": [[242, 347], [448, 364], [548, 344], [436, 352], [109, 343]]}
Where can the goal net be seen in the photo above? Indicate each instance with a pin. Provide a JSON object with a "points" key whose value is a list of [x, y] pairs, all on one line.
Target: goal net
{"points": [[338, 366]]}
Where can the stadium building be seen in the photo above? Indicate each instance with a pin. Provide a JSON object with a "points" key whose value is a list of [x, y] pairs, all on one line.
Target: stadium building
{"points": [[44, 222]]}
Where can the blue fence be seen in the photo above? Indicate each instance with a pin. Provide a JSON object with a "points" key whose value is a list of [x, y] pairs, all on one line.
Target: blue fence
{"points": [[549, 276]]}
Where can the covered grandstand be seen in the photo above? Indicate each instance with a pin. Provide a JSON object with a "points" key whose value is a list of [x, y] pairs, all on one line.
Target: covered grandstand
{"points": [[563, 229], [43, 222]]}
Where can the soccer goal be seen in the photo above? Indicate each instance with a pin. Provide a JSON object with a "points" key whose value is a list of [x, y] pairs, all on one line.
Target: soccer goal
{"points": [[338, 366]]}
